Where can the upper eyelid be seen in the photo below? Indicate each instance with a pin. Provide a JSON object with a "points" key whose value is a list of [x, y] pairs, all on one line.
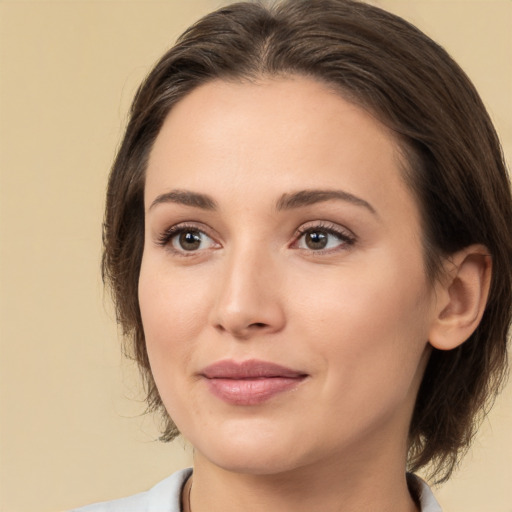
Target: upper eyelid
{"points": [[164, 236], [191, 225], [329, 226], [346, 237]]}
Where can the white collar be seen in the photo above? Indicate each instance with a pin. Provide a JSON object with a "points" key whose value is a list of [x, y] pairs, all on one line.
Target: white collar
{"points": [[427, 500]]}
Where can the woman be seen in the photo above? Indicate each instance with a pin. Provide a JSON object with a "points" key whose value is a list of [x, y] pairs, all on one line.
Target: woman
{"points": [[308, 238]]}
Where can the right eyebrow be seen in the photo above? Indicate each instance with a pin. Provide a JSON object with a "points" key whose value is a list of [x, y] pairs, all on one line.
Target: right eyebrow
{"points": [[187, 198]]}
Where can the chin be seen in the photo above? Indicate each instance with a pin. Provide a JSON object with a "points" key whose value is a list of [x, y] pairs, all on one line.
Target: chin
{"points": [[251, 451], [254, 462]]}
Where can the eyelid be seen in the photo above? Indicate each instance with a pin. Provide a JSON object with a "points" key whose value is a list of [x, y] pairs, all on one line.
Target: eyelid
{"points": [[165, 237], [346, 236]]}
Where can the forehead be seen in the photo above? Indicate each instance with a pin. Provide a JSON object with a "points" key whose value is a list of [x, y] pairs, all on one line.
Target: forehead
{"points": [[280, 110], [271, 137]]}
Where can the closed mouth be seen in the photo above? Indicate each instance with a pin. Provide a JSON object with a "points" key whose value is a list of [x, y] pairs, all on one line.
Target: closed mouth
{"points": [[250, 382]]}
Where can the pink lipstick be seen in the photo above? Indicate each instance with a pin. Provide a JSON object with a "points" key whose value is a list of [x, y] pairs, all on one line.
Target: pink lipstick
{"points": [[249, 382]]}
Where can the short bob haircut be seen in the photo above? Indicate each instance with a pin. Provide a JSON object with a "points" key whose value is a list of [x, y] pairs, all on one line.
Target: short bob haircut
{"points": [[454, 167]]}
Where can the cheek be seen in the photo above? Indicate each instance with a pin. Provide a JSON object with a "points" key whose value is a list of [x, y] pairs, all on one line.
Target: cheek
{"points": [[380, 292], [172, 304], [373, 358], [370, 326], [174, 311]]}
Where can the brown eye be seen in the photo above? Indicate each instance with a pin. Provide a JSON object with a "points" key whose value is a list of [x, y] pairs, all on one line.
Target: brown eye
{"points": [[319, 238], [316, 240], [191, 240]]}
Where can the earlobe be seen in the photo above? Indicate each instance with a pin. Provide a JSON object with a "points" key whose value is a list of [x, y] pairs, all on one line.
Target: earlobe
{"points": [[462, 297]]}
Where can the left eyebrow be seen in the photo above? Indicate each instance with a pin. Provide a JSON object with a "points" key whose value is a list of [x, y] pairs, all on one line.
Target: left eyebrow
{"points": [[308, 197]]}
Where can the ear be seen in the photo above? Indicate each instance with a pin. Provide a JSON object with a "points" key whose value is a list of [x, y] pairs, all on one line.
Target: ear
{"points": [[461, 297]]}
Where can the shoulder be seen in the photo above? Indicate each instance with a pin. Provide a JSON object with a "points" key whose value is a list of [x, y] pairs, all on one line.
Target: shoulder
{"points": [[163, 497]]}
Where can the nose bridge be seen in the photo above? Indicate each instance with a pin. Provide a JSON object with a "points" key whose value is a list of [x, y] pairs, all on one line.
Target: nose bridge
{"points": [[248, 292]]}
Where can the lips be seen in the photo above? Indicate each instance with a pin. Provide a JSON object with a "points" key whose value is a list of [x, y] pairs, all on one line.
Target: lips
{"points": [[250, 382]]}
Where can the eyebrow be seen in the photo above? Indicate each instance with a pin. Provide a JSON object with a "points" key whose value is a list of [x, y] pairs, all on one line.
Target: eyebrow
{"points": [[308, 197], [286, 201], [187, 198]]}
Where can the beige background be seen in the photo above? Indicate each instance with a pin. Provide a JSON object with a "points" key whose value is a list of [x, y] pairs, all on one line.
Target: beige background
{"points": [[71, 430]]}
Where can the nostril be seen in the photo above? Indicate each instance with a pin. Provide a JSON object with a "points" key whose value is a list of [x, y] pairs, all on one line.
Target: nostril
{"points": [[258, 324]]}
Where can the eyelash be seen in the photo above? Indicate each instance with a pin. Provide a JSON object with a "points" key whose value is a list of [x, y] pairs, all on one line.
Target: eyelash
{"points": [[165, 238], [346, 237]]}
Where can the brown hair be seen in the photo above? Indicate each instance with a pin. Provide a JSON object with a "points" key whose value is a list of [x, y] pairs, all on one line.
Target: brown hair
{"points": [[455, 168]]}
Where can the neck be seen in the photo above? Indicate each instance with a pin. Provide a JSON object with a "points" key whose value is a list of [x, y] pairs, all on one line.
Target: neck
{"points": [[332, 488]]}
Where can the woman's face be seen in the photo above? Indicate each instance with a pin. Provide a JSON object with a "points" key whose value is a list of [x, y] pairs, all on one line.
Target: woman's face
{"points": [[282, 289]]}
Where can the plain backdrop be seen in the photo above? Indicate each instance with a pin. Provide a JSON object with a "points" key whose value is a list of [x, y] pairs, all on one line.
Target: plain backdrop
{"points": [[72, 429]]}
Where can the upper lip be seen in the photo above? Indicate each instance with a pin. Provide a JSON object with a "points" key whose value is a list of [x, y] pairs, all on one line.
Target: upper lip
{"points": [[250, 369]]}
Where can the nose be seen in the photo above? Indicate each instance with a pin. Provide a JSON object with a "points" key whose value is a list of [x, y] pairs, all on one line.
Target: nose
{"points": [[248, 299]]}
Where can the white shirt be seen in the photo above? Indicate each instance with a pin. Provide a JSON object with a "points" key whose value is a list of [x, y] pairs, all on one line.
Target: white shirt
{"points": [[166, 496]]}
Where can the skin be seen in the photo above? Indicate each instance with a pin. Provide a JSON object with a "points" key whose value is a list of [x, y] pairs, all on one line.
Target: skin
{"points": [[355, 317]]}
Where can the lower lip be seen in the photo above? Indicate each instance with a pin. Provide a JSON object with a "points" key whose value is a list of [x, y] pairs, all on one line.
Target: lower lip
{"points": [[251, 391]]}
